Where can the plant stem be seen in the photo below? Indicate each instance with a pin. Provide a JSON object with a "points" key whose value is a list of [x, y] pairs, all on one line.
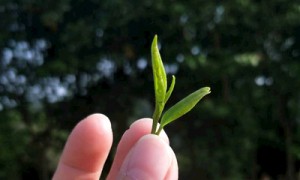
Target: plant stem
{"points": [[155, 121], [159, 130]]}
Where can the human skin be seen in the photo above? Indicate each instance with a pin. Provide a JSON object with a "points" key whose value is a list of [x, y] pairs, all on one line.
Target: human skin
{"points": [[139, 155]]}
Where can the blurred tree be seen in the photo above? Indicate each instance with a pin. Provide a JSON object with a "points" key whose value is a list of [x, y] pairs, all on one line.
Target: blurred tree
{"points": [[62, 60]]}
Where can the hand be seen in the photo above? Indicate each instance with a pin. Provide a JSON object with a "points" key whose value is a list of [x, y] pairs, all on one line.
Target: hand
{"points": [[139, 156]]}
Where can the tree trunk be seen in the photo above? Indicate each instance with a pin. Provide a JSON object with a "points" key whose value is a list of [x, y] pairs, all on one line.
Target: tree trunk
{"points": [[290, 171], [288, 137]]}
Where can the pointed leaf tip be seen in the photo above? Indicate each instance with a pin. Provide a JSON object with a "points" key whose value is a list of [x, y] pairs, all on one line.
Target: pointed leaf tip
{"points": [[184, 106], [171, 88], [206, 89]]}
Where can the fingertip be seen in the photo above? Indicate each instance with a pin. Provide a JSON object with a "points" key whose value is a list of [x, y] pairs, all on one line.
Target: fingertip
{"points": [[94, 132], [97, 121]]}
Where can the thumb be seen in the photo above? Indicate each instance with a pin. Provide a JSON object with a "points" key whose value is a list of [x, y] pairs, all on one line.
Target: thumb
{"points": [[150, 158]]}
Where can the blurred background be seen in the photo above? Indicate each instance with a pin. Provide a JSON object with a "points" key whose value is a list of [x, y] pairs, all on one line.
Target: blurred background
{"points": [[63, 60]]}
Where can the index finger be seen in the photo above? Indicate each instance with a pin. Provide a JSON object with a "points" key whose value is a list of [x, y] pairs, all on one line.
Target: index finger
{"points": [[86, 149]]}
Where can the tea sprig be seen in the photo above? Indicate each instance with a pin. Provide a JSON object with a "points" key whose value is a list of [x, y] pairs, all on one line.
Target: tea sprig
{"points": [[162, 94]]}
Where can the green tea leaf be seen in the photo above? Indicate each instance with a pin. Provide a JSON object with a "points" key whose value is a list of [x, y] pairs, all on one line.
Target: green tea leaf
{"points": [[162, 95], [183, 106], [171, 88], [160, 82]]}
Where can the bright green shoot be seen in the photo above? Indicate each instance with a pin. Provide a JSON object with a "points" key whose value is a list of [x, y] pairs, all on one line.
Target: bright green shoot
{"points": [[162, 94]]}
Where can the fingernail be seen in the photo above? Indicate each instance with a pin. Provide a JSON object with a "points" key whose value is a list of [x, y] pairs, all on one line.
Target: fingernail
{"points": [[150, 158]]}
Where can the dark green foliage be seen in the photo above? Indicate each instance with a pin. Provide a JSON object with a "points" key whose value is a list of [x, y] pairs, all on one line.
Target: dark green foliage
{"points": [[62, 60]]}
